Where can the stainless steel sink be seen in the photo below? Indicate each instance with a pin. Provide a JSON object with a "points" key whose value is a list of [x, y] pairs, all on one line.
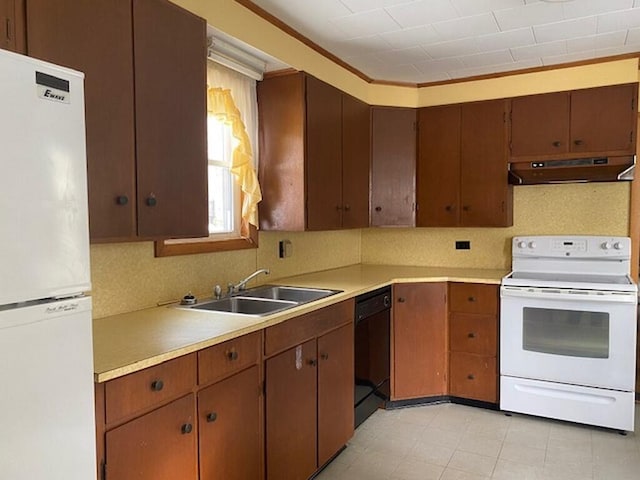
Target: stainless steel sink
{"points": [[264, 300], [244, 305], [292, 294]]}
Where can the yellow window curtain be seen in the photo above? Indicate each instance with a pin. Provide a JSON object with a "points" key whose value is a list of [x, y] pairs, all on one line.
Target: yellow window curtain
{"points": [[220, 103]]}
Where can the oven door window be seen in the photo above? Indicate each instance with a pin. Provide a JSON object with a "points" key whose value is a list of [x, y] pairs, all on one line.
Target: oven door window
{"points": [[566, 332]]}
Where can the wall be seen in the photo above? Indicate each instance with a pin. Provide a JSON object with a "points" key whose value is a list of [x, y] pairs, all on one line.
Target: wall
{"points": [[127, 277], [579, 209]]}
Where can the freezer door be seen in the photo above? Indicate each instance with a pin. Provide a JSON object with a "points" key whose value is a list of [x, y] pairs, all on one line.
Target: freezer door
{"points": [[46, 401], [44, 246]]}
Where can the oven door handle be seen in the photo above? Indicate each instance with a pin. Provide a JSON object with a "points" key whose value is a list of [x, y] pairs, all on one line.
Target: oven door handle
{"points": [[577, 295]]}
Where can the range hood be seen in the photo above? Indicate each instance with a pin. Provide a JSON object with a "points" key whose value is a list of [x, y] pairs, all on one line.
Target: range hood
{"points": [[597, 169]]}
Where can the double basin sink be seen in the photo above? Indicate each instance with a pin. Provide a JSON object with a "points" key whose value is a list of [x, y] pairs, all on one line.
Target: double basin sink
{"points": [[264, 300]]}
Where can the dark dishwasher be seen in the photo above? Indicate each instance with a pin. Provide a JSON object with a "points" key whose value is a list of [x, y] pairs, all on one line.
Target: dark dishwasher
{"points": [[372, 369]]}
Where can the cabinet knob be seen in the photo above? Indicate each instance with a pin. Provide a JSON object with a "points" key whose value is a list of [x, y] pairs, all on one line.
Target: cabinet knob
{"points": [[472, 335], [157, 385], [471, 376], [324, 356], [212, 417], [187, 428], [339, 207], [449, 208], [466, 208], [556, 143], [151, 200], [578, 142], [313, 362], [401, 299], [232, 355], [347, 208], [472, 299], [378, 209], [122, 199]]}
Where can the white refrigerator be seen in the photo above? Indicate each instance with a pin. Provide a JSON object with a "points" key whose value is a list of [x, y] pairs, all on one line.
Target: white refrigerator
{"points": [[47, 423]]}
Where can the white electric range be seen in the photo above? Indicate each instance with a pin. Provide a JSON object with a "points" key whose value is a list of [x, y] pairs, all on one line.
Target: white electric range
{"points": [[568, 330]]}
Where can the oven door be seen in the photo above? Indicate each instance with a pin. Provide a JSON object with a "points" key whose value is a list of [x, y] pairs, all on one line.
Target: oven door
{"points": [[569, 336]]}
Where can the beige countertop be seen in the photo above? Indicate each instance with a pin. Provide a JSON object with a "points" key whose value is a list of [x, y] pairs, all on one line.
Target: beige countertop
{"points": [[133, 341]]}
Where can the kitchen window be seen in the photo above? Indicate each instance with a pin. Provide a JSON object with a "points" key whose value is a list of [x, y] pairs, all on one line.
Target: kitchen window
{"points": [[233, 184]]}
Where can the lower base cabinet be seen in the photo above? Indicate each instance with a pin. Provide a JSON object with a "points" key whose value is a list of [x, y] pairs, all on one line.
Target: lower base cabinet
{"points": [[161, 445], [229, 428], [473, 376], [309, 392]]}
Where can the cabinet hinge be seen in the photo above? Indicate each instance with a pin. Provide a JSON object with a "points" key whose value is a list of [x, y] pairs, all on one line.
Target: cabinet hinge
{"points": [[414, 207], [103, 472], [8, 29]]}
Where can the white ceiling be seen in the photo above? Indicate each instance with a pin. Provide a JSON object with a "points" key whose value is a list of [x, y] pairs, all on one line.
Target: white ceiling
{"points": [[434, 40]]}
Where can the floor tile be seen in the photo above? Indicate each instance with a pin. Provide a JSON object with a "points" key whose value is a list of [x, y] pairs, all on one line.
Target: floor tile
{"points": [[472, 463]]}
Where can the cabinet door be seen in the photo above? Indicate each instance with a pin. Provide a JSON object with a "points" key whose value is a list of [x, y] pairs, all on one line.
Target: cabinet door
{"points": [[291, 413], [438, 169], [66, 32], [324, 155], [604, 119], [540, 125], [485, 194], [335, 391], [419, 340], [474, 376], [356, 156], [12, 22], [393, 165], [229, 428], [161, 445], [170, 51]]}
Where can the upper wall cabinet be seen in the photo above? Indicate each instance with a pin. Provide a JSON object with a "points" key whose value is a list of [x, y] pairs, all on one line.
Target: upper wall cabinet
{"points": [[145, 94], [580, 123], [12, 25], [462, 166], [314, 155], [393, 166]]}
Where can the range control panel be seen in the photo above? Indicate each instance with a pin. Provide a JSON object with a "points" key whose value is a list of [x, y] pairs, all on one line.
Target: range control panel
{"points": [[581, 246]]}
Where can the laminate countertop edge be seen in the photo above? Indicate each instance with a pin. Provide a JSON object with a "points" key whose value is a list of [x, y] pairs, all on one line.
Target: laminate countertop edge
{"points": [[129, 342]]}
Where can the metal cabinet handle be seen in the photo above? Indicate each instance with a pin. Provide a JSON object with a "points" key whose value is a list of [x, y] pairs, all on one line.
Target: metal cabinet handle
{"points": [[157, 385], [347, 208], [556, 143], [401, 300], [378, 209], [449, 208], [471, 376], [466, 208], [232, 355], [578, 142], [324, 356], [122, 200], [472, 335], [186, 428], [472, 299], [212, 417], [151, 200], [313, 362]]}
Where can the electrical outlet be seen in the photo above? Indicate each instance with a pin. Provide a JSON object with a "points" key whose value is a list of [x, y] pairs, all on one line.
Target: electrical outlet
{"points": [[285, 248], [463, 245]]}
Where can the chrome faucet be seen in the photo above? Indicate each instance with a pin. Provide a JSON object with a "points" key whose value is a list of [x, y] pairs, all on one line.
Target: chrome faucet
{"points": [[242, 285]]}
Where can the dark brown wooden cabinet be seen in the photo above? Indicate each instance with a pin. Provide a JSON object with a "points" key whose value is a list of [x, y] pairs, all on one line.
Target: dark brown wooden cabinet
{"points": [[314, 155], [473, 341], [309, 391], [12, 23], [462, 176], [419, 340], [145, 121], [161, 445], [580, 123], [393, 166]]}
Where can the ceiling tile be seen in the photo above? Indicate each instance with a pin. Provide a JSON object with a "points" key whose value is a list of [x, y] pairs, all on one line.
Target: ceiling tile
{"points": [[487, 59], [540, 50], [562, 30], [410, 37], [364, 5], [476, 7], [452, 49], [399, 73], [510, 39], [366, 23], [422, 12], [466, 27], [404, 56], [567, 58], [595, 42], [444, 65], [358, 46], [529, 15], [619, 20], [289, 11], [428, 77], [586, 8], [633, 36]]}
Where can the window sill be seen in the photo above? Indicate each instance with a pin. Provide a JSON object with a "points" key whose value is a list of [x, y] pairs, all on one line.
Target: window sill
{"points": [[165, 248]]}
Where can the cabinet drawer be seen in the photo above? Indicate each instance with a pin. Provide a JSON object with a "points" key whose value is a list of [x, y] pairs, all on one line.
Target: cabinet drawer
{"points": [[472, 333], [229, 357], [473, 376], [141, 390], [473, 298], [300, 329]]}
